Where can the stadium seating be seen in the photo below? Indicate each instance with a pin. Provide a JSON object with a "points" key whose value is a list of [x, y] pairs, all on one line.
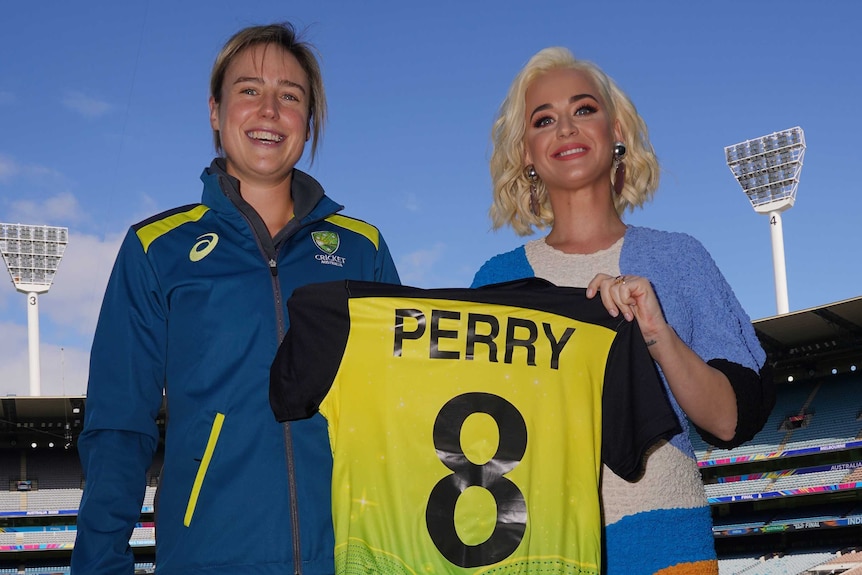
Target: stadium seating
{"points": [[789, 564], [737, 487], [809, 480], [739, 524], [56, 485], [827, 511], [790, 401], [800, 479], [52, 499], [847, 563], [733, 566], [55, 469], [10, 501], [57, 570], [834, 408]]}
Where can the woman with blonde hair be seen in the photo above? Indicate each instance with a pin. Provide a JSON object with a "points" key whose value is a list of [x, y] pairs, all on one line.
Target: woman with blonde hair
{"points": [[571, 154]]}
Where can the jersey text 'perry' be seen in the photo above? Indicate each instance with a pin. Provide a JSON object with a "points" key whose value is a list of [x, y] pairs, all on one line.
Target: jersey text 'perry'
{"points": [[480, 334]]}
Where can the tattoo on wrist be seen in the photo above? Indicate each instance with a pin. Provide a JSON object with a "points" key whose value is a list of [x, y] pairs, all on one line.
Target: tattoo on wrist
{"points": [[651, 342]]}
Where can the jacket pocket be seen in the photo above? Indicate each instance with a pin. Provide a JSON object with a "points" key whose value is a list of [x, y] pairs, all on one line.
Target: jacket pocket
{"points": [[202, 469]]}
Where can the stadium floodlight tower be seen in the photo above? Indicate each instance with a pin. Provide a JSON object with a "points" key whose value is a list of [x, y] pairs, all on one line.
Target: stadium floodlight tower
{"points": [[32, 254], [768, 170]]}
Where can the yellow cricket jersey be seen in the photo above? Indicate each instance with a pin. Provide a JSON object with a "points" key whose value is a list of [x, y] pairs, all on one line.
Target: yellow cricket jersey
{"points": [[466, 424]]}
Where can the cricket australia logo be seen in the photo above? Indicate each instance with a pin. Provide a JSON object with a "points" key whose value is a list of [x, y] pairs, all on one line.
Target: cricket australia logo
{"points": [[328, 243]]}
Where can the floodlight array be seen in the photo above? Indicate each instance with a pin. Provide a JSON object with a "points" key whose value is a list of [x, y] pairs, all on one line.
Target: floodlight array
{"points": [[32, 254], [768, 168]]}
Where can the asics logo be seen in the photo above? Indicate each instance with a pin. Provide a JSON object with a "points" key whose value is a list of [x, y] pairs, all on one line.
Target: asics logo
{"points": [[202, 248]]}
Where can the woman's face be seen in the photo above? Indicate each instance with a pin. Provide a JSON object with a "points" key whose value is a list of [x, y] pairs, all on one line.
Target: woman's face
{"points": [[262, 117], [569, 135]]}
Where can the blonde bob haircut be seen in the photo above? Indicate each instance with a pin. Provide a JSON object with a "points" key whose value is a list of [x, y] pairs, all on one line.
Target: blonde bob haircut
{"points": [[285, 36], [511, 189]]}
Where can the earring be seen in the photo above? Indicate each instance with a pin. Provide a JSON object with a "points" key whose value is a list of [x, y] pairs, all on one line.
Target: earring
{"points": [[532, 177], [620, 169]]}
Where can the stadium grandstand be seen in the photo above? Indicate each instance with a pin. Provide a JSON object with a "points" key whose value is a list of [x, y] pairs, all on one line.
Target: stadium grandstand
{"points": [[43, 484], [788, 502]]}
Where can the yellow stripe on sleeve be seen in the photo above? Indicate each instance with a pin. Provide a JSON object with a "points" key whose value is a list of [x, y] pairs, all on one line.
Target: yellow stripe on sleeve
{"points": [[150, 232], [358, 226]]}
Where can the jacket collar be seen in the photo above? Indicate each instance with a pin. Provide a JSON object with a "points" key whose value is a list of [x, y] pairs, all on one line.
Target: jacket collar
{"points": [[307, 193], [222, 194]]}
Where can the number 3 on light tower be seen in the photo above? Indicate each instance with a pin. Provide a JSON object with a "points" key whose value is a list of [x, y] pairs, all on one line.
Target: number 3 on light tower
{"points": [[440, 511]]}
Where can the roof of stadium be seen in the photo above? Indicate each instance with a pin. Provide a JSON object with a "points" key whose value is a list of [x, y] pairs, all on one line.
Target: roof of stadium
{"points": [[814, 343]]}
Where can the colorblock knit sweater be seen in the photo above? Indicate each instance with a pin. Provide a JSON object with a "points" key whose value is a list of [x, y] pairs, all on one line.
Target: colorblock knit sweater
{"points": [[661, 523]]}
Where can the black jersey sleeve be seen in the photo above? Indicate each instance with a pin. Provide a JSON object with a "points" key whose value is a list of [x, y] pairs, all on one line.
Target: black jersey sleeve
{"points": [[310, 353], [755, 398], [636, 412]]}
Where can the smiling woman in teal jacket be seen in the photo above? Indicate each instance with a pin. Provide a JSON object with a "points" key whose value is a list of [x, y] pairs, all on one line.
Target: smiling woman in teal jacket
{"points": [[194, 312], [572, 154]]}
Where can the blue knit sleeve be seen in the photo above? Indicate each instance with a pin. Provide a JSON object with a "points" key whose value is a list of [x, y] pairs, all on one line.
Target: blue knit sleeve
{"points": [[504, 267], [696, 299], [724, 337], [721, 327], [701, 307]]}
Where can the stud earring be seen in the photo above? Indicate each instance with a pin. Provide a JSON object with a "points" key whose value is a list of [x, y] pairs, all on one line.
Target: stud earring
{"points": [[620, 167], [532, 177]]}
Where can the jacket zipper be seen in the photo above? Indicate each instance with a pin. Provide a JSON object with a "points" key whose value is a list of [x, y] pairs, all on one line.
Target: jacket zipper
{"points": [[288, 439], [258, 229], [294, 510], [272, 263]]}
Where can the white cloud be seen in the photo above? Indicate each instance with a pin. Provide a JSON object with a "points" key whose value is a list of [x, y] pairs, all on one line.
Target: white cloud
{"points": [[86, 105], [61, 209], [63, 371], [411, 202], [33, 174], [148, 206], [8, 167], [76, 295], [415, 268]]}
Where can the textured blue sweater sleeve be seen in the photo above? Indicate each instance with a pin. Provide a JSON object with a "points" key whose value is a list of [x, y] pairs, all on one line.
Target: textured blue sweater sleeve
{"points": [[124, 394], [700, 305], [724, 337], [696, 299], [721, 329], [504, 267]]}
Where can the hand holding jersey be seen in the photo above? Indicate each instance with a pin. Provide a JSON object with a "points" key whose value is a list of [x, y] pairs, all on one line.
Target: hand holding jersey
{"points": [[703, 392]]}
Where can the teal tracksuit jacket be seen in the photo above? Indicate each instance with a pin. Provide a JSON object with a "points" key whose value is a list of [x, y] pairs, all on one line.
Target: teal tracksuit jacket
{"points": [[194, 311]]}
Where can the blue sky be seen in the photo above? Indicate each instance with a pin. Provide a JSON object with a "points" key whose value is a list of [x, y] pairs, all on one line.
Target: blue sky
{"points": [[104, 122]]}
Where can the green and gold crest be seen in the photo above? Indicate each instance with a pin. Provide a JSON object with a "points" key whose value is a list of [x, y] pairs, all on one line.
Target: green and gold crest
{"points": [[327, 242]]}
